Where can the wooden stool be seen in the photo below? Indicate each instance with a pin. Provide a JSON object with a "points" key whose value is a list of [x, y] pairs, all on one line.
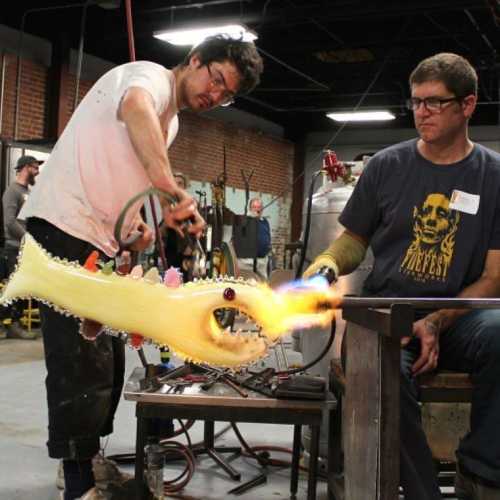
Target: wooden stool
{"points": [[445, 398], [445, 387], [437, 387]]}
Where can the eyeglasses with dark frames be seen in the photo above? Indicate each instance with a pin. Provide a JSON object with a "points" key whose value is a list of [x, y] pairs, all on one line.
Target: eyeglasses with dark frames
{"points": [[432, 104], [218, 83]]}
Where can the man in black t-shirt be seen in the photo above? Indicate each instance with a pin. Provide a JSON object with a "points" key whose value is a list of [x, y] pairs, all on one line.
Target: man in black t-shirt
{"points": [[429, 209]]}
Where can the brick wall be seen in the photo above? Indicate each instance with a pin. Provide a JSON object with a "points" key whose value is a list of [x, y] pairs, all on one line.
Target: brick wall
{"points": [[199, 152], [198, 149], [84, 87], [32, 103]]}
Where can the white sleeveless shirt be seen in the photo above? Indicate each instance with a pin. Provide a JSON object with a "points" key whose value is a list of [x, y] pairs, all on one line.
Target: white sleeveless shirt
{"points": [[93, 169]]}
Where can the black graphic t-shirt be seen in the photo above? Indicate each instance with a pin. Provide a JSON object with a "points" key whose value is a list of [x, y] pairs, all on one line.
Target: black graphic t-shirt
{"points": [[430, 226]]}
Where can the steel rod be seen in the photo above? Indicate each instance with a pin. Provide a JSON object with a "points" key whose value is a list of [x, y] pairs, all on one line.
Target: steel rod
{"points": [[419, 302]]}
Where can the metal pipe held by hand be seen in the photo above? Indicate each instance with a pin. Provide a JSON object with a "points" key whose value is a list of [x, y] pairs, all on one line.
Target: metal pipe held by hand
{"points": [[416, 302]]}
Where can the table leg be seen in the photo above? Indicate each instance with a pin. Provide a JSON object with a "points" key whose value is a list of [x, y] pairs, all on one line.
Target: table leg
{"points": [[335, 472], [294, 481], [215, 453], [209, 434], [313, 463], [140, 443]]}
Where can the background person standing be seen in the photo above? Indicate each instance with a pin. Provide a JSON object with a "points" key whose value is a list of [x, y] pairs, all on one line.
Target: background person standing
{"points": [[13, 199]]}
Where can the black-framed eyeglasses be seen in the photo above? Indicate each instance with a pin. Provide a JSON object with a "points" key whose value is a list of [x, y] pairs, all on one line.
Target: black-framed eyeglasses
{"points": [[218, 83], [432, 104]]}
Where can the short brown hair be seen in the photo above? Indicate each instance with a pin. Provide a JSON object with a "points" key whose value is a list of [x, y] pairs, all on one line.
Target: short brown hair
{"points": [[242, 54], [453, 70]]}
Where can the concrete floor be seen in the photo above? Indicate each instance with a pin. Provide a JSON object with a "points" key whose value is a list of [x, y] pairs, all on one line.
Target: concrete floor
{"points": [[27, 473]]}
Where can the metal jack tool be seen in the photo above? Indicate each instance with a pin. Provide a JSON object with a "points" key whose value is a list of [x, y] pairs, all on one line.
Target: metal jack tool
{"points": [[215, 452], [260, 382], [226, 380], [256, 481]]}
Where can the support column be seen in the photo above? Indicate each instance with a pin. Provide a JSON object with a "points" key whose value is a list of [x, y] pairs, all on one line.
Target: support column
{"points": [[58, 99]]}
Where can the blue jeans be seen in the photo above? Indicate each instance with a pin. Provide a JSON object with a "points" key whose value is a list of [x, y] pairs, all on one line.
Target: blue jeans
{"points": [[471, 345]]}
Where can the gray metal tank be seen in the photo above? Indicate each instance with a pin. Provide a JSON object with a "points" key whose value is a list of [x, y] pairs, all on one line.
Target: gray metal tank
{"points": [[327, 205]]}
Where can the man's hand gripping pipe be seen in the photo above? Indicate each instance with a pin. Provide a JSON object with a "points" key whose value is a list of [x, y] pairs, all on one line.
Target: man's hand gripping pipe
{"points": [[133, 237]]}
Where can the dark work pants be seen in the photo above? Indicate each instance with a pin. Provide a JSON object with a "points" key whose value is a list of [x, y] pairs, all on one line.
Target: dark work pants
{"points": [[84, 378], [472, 345], [15, 310]]}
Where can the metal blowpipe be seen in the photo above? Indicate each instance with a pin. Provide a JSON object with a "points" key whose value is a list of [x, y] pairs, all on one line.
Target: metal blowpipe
{"points": [[416, 302]]}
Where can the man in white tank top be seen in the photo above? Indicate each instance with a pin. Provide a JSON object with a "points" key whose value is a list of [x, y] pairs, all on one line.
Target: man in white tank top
{"points": [[114, 147]]}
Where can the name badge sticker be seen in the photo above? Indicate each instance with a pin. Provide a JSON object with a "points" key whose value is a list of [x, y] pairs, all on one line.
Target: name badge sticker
{"points": [[464, 202]]}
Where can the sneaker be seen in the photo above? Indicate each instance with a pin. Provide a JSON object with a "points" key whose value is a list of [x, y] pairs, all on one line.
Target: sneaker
{"points": [[106, 472], [16, 331], [468, 486]]}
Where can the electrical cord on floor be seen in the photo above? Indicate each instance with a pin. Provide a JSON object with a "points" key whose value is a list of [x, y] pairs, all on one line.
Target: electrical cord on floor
{"points": [[129, 458], [263, 458], [175, 451], [183, 429]]}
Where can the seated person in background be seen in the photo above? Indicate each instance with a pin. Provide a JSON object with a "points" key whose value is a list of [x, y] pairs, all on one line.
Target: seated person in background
{"points": [[430, 210], [27, 168], [263, 241], [264, 231]]}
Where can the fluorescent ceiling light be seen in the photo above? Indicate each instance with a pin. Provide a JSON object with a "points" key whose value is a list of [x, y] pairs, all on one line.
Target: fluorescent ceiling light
{"points": [[197, 35], [361, 116]]}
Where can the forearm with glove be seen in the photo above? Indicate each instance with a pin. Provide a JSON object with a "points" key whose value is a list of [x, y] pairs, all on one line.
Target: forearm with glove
{"points": [[343, 256]]}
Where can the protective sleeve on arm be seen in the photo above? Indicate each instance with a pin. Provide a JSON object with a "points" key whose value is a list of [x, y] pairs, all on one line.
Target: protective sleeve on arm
{"points": [[344, 255]]}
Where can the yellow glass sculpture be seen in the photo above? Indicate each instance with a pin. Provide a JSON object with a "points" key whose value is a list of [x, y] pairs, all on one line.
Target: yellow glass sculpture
{"points": [[181, 318]]}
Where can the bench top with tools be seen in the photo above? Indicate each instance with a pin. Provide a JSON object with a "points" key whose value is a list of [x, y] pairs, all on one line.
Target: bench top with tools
{"points": [[211, 389]]}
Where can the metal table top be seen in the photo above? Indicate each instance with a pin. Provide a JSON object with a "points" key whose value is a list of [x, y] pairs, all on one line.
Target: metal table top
{"points": [[218, 395]]}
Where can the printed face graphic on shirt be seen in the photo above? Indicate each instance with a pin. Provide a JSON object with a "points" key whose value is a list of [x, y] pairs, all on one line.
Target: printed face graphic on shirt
{"points": [[429, 256]]}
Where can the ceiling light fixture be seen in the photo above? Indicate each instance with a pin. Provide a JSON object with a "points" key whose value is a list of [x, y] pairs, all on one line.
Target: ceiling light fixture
{"points": [[195, 36], [361, 116]]}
